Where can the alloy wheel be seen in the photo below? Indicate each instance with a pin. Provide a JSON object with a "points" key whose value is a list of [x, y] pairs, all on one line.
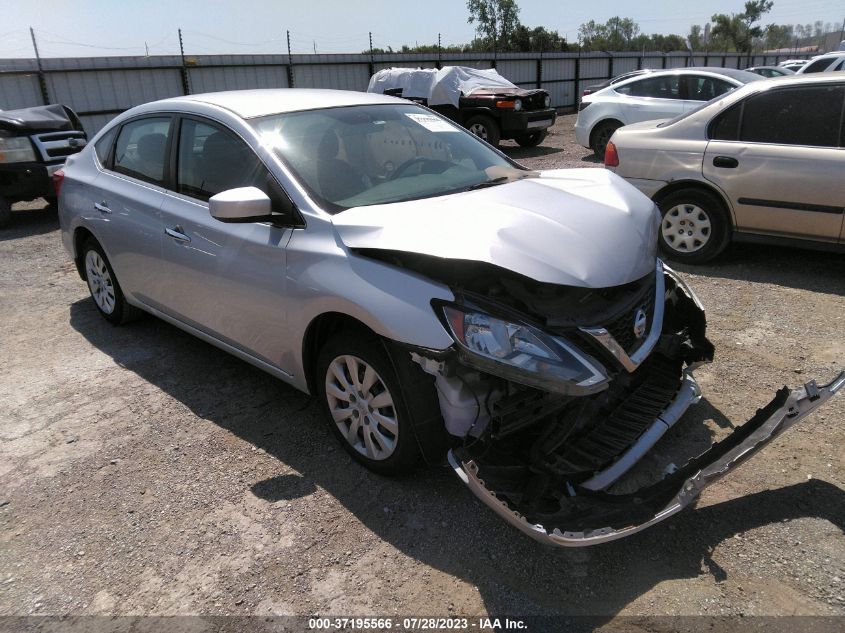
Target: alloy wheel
{"points": [[479, 129], [362, 407], [100, 281]]}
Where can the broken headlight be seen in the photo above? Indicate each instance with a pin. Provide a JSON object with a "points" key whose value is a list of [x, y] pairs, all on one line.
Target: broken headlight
{"points": [[522, 353]]}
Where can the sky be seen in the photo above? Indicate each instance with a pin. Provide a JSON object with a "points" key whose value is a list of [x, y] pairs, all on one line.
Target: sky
{"points": [[83, 28]]}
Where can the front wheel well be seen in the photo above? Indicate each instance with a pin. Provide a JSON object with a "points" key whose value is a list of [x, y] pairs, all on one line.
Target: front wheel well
{"points": [[679, 185], [320, 330]]}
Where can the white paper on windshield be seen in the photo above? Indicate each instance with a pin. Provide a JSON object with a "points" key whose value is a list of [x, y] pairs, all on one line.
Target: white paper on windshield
{"points": [[431, 122]]}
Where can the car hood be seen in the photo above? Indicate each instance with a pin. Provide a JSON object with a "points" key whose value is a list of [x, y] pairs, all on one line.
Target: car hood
{"points": [[49, 118], [575, 227]]}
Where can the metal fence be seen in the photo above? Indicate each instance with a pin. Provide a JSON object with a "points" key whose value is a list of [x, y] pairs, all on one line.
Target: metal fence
{"points": [[98, 88]]}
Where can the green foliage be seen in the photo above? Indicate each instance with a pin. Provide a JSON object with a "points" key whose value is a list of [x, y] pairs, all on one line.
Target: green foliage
{"points": [[740, 29], [495, 20]]}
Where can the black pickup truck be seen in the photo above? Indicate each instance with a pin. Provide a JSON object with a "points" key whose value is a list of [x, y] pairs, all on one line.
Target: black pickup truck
{"points": [[484, 102], [34, 143]]}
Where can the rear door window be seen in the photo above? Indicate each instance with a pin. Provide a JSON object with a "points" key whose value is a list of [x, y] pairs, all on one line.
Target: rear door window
{"points": [[141, 149], [794, 116], [665, 87], [702, 87], [818, 66]]}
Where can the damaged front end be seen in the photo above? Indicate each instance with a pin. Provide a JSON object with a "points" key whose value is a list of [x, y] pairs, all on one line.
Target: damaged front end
{"points": [[557, 392]]}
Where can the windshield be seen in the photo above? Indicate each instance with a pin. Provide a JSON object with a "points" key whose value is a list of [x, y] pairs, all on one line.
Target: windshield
{"points": [[376, 154]]}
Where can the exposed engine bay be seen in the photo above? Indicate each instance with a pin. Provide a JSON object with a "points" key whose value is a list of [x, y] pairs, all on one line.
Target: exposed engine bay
{"points": [[544, 448]]}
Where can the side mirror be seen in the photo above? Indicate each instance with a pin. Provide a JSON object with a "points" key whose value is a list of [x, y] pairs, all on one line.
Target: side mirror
{"points": [[244, 204]]}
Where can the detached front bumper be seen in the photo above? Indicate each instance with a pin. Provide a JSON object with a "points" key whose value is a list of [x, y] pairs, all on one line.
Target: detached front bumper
{"points": [[587, 517]]}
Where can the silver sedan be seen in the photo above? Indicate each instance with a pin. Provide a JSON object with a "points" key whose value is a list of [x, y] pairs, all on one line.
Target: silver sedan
{"points": [[434, 296]]}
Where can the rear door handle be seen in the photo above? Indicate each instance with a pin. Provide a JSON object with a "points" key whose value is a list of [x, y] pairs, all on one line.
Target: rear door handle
{"points": [[725, 161], [177, 233], [101, 207]]}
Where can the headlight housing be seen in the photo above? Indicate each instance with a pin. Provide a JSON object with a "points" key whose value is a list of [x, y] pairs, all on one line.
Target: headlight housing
{"points": [[522, 353], [16, 149], [517, 104], [548, 101]]}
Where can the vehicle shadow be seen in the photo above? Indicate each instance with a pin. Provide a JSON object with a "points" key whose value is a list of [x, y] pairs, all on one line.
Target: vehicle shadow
{"points": [[517, 152], [30, 221], [802, 269], [431, 516]]}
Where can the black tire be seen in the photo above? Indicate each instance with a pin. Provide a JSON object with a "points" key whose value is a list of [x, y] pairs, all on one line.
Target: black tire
{"points": [[5, 212], [601, 135], [698, 208], [484, 127], [532, 139], [121, 312], [412, 402], [52, 201]]}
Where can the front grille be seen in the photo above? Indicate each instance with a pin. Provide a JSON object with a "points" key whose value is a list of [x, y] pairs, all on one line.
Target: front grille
{"points": [[622, 327], [534, 102], [609, 434], [53, 145]]}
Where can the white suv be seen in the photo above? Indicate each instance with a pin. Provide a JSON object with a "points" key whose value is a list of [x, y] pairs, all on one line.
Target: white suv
{"points": [[658, 95], [824, 63]]}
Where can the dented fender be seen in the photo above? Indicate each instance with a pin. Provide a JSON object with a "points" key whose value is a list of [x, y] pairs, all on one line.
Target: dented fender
{"points": [[588, 517]]}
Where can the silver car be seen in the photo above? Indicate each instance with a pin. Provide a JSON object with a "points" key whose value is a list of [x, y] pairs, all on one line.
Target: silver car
{"points": [[434, 295], [764, 163]]}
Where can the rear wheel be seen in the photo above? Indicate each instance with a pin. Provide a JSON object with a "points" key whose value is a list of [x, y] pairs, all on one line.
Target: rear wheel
{"points": [[601, 135], [531, 139], [103, 286], [5, 212], [484, 127], [694, 227]]}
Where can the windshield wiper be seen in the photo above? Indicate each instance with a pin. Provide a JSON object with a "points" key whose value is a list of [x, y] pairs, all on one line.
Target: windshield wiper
{"points": [[489, 183]]}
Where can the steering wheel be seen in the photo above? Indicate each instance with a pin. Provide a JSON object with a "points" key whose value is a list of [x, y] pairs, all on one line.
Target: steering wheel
{"points": [[420, 160]]}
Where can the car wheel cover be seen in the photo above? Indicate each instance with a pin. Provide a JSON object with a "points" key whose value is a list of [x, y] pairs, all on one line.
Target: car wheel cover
{"points": [[361, 407], [686, 228], [479, 129], [100, 282]]}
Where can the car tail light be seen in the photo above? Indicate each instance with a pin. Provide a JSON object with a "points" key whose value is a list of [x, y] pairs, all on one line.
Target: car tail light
{"points": [[587, 91], [58, 179], [583, 105], [611, 156]]}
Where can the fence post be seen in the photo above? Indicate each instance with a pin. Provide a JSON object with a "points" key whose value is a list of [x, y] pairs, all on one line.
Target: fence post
{"points": [[438, 64], [186, 85], [42, 82], [577, 91], [371, 65], [290, 64], [610, 65], [664, 61], [540, 70]]}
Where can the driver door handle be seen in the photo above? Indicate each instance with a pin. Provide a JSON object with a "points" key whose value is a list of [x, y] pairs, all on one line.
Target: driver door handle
{"points": [[101, 207], [177, 233]]}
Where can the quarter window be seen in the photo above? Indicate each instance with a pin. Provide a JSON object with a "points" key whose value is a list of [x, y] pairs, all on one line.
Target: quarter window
{"points": [[212, 160], [726, 126], [797, 116], [103, 146], [818, 66], [140, 149]]}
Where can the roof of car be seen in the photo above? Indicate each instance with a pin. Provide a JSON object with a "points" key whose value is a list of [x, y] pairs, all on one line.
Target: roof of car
{"points": [[738, 75], [255, 103]]}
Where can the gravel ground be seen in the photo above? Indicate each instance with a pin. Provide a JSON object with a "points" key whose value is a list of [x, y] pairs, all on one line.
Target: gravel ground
{"points": [[143, 471]]}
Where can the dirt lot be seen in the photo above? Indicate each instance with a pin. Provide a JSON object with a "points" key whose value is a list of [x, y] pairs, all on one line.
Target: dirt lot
{"points": [[145, 472]]}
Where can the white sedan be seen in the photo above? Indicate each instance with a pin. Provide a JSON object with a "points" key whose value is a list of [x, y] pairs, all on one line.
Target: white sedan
{"points": [[659, 95]]}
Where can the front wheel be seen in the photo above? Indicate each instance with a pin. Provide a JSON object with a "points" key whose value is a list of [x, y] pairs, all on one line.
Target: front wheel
{"points": [[694, 227], [5, 212], [484, 127], [366, 406], [530, 139]]}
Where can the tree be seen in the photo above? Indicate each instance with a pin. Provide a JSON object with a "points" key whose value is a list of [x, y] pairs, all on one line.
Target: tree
{"points": [[695, 39], [495, 20], [741, 28]]}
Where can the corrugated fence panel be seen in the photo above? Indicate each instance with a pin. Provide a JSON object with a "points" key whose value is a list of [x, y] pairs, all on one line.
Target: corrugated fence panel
{"points": [[558, 69], [697, 61], [652, 62], [676, 62], [624, 65], [93, 123], [595, 67], [412, 64], [472, 63], [112, 89], [519, 71], [346, 77], [19, 91], [210, 79], [561, 93]]}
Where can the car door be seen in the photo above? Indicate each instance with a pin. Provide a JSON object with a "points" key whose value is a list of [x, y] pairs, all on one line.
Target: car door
{"points": [[126, 199], [651, 98], [776, 155], [225, 279]]}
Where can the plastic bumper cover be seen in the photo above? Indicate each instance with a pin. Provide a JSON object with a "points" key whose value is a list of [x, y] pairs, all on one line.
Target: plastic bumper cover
{"points": [[617, 516]]}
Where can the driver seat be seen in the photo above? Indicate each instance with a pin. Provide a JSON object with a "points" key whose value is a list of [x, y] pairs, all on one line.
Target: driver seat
{"points": [[337, 179]]}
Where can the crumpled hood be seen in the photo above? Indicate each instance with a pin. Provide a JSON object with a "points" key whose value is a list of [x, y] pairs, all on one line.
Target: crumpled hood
{"points": [[49, 118], [575, 227]]}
